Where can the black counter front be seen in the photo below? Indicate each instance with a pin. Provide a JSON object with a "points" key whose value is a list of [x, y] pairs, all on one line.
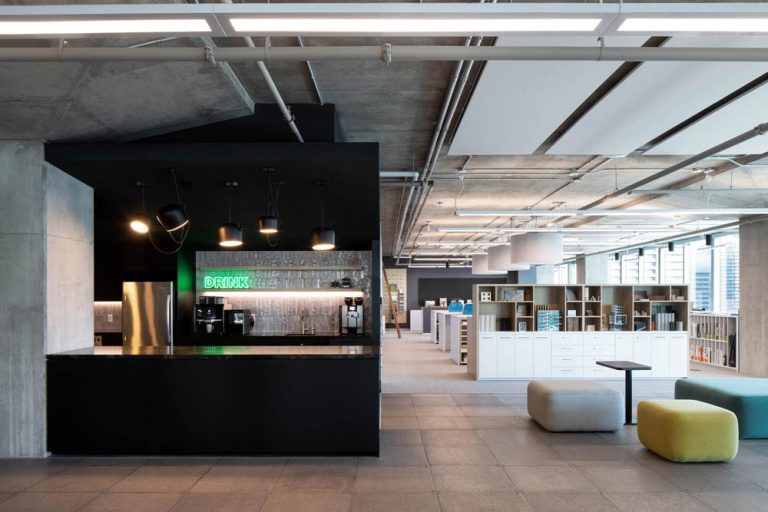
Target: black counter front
{"points": [[256, 400]]}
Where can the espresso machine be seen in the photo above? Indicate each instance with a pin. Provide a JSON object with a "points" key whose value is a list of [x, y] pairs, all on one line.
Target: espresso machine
{"points": [[351, 316], [209, 316], [238, 322]]}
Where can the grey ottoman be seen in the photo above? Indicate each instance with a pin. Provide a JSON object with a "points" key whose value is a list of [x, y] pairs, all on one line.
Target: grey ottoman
{"points": [[575, 406]]}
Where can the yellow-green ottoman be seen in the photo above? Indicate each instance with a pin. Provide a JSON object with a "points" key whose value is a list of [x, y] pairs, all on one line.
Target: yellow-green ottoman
{"points": [[688, 430]]}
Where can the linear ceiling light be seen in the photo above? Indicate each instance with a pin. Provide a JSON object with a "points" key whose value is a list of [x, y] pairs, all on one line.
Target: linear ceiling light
{"points": [[606, 229], [124, 26], [612, 213], [397, 25], [667, 25]]}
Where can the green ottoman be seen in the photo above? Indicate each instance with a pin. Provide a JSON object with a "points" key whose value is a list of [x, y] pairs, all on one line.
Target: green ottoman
{"points": [[747, 398]]}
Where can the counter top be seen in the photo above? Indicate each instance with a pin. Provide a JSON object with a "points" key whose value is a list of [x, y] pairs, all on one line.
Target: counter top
{"points": [[276, 339], [224, 352]]}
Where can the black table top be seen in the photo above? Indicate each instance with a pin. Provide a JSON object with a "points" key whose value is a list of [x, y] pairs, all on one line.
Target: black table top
{"points": [[623, 365], [224, 352]]}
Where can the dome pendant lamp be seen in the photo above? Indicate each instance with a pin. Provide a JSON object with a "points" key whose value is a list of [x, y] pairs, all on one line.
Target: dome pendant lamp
{"points": [[322, 238], [230, 233], [172, 216], [140, 222], [268, 224]]}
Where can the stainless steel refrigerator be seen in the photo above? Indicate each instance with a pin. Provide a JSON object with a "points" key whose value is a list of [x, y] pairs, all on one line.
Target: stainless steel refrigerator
{"points": [[147, 314]]}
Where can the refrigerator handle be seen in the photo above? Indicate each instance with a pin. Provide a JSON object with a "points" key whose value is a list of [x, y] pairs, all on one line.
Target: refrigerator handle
{"points": [[169, 319]]}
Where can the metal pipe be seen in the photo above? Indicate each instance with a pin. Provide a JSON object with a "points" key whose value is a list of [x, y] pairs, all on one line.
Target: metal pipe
{"points": [[398, 53], [286, 112], [399, 174], [312, 76]]}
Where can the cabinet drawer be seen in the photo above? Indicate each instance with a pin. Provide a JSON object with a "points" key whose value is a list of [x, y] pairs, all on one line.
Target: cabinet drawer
{"points": [[592, 362], [567, 361], [599, 350], [599, 339], [624, 336], [567, 373], [567, 350], [598, 372], [561, 338]]}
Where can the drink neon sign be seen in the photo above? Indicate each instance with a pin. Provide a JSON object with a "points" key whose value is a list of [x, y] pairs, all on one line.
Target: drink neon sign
{"points": [[226, 282]]}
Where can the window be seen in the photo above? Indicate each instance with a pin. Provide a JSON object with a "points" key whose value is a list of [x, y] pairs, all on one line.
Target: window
{"points": [[725, 265], [700, 276], [672, 266], [614, 270], [630, 268]]}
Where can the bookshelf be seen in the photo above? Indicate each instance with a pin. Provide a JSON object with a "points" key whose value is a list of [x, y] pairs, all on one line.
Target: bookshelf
{"points": [[714, 340]]}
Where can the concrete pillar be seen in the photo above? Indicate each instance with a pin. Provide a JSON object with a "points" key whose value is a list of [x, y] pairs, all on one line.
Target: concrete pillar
{"points": [[753, 299], [540, 274], [46, 283], [593, 269]]}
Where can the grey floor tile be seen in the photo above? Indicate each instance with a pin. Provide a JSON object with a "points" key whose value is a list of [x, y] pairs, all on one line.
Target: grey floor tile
{"points": [[482, 502], [473, 455], [527, 455], [217, 502], [549, 479], [443, 422], [594, 455], [383, 479], [45, 502], [307, 502], [487, 410], [498, 421], [748, 456], [397, 410], [322, 460], [626, 436], [397, 455], [4, 496], [570, 502], [512, 398], [239, 479], [20, 477], [400, 437], [83, 479], [658, 502], [565, 438], [436, 399], [734, 501], [192, 460], [399, 423], [476, 399], [471, 479], [132, 502], [509, 436], [112, 461], [396, 400], [627, 479], [251, 461], [161, 479], [705, 477], [395, 502], [437, 410], [450, 437], [338, 478], [755, 473]]}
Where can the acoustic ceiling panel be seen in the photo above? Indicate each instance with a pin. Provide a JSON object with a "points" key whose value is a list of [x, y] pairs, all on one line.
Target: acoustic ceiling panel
{"points": [[516, 105], [656, 97]]}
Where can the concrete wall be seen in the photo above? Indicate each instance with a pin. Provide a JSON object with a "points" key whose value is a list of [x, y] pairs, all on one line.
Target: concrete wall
{"points": [[25, 194], [753, 299], [593, 269]]}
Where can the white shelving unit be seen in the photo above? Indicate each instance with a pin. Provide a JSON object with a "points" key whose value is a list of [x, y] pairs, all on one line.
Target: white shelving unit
{"points": [[714, 340]]}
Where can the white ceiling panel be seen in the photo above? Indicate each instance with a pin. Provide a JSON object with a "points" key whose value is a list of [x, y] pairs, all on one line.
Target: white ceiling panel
{"points": [[658, 96], [723, 124], [517, 105]]}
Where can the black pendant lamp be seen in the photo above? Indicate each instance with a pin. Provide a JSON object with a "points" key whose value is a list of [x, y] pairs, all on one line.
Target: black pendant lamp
{"points": [[268, 224], [322, 238], [230, 233], [139, 222], [172, 216]]}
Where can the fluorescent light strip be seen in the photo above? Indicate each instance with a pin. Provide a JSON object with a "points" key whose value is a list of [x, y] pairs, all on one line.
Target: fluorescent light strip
{"points": [[124, 26], [667, 25], [383, 25], [341, 292], [612, 213], [605, 229]]}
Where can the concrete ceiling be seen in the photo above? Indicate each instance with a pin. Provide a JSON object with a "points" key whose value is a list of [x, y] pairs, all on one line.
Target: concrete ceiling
{"points": [[397, 106]]}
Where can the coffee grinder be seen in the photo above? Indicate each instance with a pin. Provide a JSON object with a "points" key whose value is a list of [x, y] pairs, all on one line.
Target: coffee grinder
{"points": [[351, 316]]}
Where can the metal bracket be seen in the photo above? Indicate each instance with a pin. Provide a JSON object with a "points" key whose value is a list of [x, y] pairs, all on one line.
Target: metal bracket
{"points": [[62, 44], [209, 56], [601, 41], [386, 53]]}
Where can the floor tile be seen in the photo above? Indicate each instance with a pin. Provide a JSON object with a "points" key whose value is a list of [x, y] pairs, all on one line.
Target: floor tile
{"points": [[471, 479], [396, 400], [509, 436], [397, 456], [564, 438], [376, 479], [45, 502], [658, 502], [437, 410], [252, 461], [161, 479], [705, 477], [570, 502], [527, 455], [626, 436], [473, 455], [734, 501], [397, 410], [398, 422], [549, 479], [322, 460], [18, 478], [217, 502], [476, 399], [239, 479], [307, 502], [182, 461], [450, 437], [626, 479], [429, 399], [400, 502], [83, 479], [497, 421], [316, 477], [512, 398], [487, 410], [399, 437], [755, 473], [4, 496], [594, 455], [443, 422], [132, 502], [112, 461], [482, 502]]}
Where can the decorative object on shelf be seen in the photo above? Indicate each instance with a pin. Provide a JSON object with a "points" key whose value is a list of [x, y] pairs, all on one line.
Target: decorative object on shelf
{"points": [[268, 224], [641, 295], [547, 318], [322, 238], [536, 249], [499, 259], [485, 296], [230, 233], [512, 294], [522, 310], [570, 294], [570, 313], [443, 301], [335, 284], [480, 266], [522, 326], [618, 318], [139, 222]]}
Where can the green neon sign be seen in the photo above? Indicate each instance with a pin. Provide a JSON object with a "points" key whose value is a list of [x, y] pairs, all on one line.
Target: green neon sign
{"points": [[214, 282]]}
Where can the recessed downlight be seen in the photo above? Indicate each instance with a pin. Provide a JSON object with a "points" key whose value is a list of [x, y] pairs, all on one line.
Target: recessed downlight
{"points": [[124, 26]]}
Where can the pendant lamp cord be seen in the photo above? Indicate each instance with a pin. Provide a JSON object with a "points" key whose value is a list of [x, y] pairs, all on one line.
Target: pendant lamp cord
{"points": [[322, 205]]}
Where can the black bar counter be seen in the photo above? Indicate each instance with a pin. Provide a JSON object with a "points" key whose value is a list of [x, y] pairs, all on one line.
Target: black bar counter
{"points": [[247, 400]]}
